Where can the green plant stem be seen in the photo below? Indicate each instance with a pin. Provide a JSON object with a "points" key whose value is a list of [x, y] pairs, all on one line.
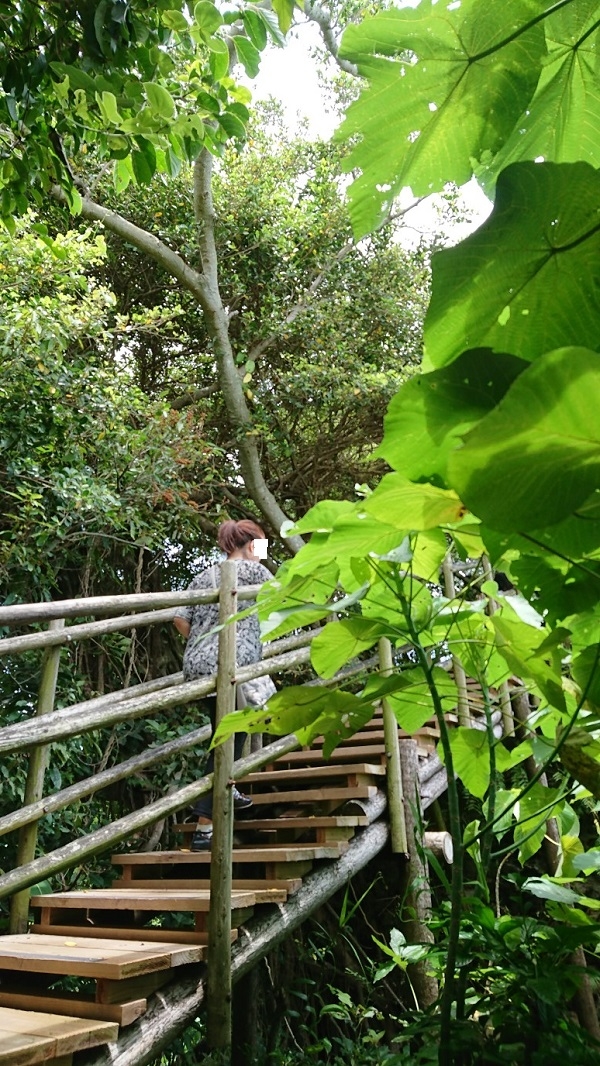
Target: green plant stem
{"points": [[486, 839], [449, 996], [543, 766]]}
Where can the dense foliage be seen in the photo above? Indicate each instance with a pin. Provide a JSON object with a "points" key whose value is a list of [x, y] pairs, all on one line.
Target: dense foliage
{"points": [[494, 453]]}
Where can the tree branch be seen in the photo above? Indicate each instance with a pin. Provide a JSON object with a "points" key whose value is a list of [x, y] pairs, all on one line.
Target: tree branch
{"points": [[315, 13], [204, 288]]}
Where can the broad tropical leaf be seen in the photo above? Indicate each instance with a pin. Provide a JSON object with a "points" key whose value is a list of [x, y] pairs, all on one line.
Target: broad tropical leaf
{"points": [[340, 642], [562, 122], [528, 280], [511, 470], [408, 506], [446, 86], [430, 413]]}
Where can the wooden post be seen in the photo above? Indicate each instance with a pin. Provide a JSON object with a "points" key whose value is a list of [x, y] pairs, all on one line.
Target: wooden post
{"points": [[34, 786], [508, 721], [460, 678], [417, 900], [392, 751], [219, 918]]}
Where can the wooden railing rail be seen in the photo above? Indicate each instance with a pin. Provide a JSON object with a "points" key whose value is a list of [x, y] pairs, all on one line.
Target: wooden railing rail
{"points": [[72, 721], [18, 614], [110, 835]]}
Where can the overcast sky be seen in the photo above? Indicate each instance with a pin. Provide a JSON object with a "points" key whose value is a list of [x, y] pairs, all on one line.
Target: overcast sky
{"points": [[289, 75]]}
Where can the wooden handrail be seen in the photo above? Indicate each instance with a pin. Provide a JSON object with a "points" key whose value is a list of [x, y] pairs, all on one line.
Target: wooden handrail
{"points": [[18, 614]]}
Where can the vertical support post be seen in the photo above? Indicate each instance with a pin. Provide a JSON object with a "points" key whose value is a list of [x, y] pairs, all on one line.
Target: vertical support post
{"points": [[460, 678], [417, 899], [34, 786], [508, 721], [219, 918], [392, 751]]}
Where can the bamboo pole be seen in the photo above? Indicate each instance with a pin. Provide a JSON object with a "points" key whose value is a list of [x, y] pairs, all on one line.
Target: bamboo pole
{"points": [[218, 977], [418, 891], [460, 678], [22, 613], [34, 786], [71, 721], [508, 721], [392, 751], [62, 799], [14, 645]]}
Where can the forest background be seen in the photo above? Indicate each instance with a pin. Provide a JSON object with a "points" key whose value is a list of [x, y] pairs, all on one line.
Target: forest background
{"points": [[194, 326]]}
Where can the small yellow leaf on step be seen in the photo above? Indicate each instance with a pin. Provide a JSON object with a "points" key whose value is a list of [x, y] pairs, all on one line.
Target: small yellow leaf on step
{"points": [[70, 943]]}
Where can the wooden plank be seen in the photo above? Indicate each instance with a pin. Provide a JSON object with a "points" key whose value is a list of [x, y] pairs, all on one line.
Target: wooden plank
{"points": [[28, 1037], [157, 936], [315, 795], [311, 758], [142, 899], [312, 773], [268, 853], [167, 954], [89, 957], [314, 821], [288, 886], [283, 821], [75, 1003], [140, 987]]}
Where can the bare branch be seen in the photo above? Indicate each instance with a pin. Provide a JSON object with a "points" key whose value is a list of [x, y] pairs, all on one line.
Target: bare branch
{"points": [[315, 13]]}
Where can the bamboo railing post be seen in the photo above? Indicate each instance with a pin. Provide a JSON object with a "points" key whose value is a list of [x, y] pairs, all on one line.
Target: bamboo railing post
{"points": [[219, 919], [34, 786], [392, 751], [508, 721], [460, 678]]}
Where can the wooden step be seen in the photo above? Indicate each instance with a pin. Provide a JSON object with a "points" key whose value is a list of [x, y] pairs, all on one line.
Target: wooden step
{"points": [[28, 1037], [313, 821], [83, 957], [75, 1004], [289, 886], [140, 899], [267, 853], [315, 795], [315, 756], [196, 937], [354, 771]]}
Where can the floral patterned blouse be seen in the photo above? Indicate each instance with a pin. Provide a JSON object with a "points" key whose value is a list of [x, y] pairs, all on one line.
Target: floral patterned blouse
{"points": [[201, 652]]}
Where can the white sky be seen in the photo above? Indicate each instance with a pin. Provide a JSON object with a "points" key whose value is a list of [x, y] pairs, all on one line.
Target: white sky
{"points": [[289, 75]]}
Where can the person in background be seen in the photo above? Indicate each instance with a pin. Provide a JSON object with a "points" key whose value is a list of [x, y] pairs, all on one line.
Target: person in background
{"points": [[239, 542]]}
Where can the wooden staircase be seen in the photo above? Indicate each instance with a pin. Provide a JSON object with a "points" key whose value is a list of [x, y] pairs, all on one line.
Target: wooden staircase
{"points": [[119, 945]]}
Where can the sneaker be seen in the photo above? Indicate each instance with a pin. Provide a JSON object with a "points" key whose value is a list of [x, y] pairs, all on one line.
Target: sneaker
{"points": [[240, 801], [201, 840]]}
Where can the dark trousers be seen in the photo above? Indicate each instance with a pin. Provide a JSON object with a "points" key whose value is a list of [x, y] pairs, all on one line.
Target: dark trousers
{"points": [[203, 805]]}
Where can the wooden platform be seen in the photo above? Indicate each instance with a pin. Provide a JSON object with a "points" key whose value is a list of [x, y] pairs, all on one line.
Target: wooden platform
{"points": [[28, 1037]]}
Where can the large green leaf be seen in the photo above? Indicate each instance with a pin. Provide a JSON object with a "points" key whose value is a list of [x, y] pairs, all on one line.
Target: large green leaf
{"points": [[307, 711], [160, 100], [471, 758], [528, 280], [446, 87], [408, 506], [534, 810], [409, 696], [519, 644], [562, 122], [340, 642], [430, 413], [511, 470]]}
